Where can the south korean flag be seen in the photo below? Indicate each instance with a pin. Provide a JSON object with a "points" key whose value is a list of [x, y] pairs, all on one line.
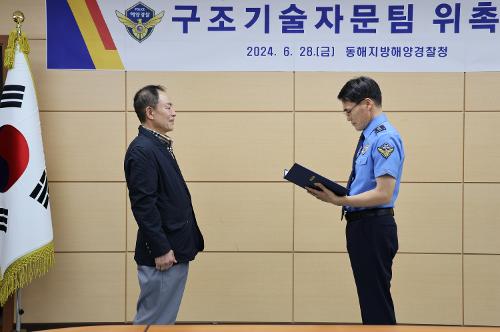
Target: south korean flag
{"points": [[26, 247]]}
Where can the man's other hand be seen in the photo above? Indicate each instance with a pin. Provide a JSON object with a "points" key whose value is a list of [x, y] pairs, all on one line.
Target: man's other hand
{"points": [[166, 261]]}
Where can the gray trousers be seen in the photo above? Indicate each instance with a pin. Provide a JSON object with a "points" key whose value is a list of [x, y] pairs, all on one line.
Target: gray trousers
{"points": [[161, 294]]}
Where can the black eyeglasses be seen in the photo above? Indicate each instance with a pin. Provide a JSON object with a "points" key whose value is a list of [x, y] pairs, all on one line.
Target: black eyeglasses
{"points": [[348, 111]]}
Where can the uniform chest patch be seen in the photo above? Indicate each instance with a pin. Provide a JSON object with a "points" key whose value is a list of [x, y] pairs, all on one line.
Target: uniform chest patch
{"points": [[385, 150]]}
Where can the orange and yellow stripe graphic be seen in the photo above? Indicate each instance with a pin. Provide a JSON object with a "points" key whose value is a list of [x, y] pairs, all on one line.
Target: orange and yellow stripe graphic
{"points": [[96, 34]]}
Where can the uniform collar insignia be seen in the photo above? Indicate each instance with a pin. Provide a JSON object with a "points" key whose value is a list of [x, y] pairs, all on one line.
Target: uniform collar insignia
{"points": [[379, 129]]}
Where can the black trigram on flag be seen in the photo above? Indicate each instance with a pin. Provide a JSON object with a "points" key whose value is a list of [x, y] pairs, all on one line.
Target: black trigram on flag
{"points": [[4, 213], [12, 96], [41, 191]]}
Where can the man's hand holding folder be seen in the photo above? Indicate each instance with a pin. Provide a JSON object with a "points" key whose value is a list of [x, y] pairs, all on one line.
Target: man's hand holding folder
{"points": [[326, 195], [317, 185]]}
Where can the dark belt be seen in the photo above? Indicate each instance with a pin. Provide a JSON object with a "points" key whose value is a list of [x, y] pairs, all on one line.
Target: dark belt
{"points": [[370, 213]]}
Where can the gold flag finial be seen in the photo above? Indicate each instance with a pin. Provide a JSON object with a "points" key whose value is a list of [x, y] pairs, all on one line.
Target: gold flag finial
{"points": [[18, 17], [16, 38]]}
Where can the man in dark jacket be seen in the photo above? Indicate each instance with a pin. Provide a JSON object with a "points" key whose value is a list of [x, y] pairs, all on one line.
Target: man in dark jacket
{"points": [[168, 236]]}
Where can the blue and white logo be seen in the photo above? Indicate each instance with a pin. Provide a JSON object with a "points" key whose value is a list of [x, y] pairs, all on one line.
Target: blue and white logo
{"points": [[140, 21]]}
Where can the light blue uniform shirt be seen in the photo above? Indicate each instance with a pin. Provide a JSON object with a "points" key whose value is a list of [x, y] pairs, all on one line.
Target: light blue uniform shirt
{"points": [[382, 154]]}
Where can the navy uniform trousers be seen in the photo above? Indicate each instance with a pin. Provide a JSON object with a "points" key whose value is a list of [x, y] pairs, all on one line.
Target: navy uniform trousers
{"points": [[372, 243]]}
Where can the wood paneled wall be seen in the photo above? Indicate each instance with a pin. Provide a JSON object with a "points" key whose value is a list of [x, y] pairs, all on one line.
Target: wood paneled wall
{"points": [[274, 254]]}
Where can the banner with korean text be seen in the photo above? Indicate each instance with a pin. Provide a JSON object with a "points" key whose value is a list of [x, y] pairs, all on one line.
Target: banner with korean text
{"points": [[277, 35]]}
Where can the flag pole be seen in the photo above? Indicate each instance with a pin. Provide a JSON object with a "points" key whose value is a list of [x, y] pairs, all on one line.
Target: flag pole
{"points": [[19, 310], [8, 308], [18, 18]]}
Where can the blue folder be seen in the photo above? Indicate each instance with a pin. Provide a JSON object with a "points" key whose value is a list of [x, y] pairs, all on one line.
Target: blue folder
{"points": [[304, 177]]}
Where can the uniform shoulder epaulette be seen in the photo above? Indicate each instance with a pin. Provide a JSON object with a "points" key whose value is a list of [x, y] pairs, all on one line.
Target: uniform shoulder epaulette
{"points": [[380, 129]]}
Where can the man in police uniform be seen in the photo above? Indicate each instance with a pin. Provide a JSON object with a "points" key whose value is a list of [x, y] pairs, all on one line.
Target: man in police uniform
{"points": [[373, 185]]}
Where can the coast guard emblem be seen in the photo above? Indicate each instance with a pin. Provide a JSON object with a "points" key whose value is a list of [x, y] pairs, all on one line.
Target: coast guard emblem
{"points": [[385, 150], [140, 21]]}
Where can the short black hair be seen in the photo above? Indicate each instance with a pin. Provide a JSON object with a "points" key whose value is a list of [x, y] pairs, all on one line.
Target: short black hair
{"points": [[359, 88], [147, 96]]}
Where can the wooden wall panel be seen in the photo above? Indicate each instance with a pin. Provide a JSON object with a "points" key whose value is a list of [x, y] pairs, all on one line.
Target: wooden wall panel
{"points": [[84, 146], [257, 152], [317, 224], [238, 216], [325, 142], [132, 127], [34, 17], [400, 91], [81, 287], [433, 145], [324, 289], [438, 228], [239, 287], [427, 289], [482, 157], [88, 216], [231, 287], [481, 220], [481, 91], [260, 147], [219, 91], [317, 91], [421, 91], [425, 225], [482, 290], [244, 216], [75, 90]]}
